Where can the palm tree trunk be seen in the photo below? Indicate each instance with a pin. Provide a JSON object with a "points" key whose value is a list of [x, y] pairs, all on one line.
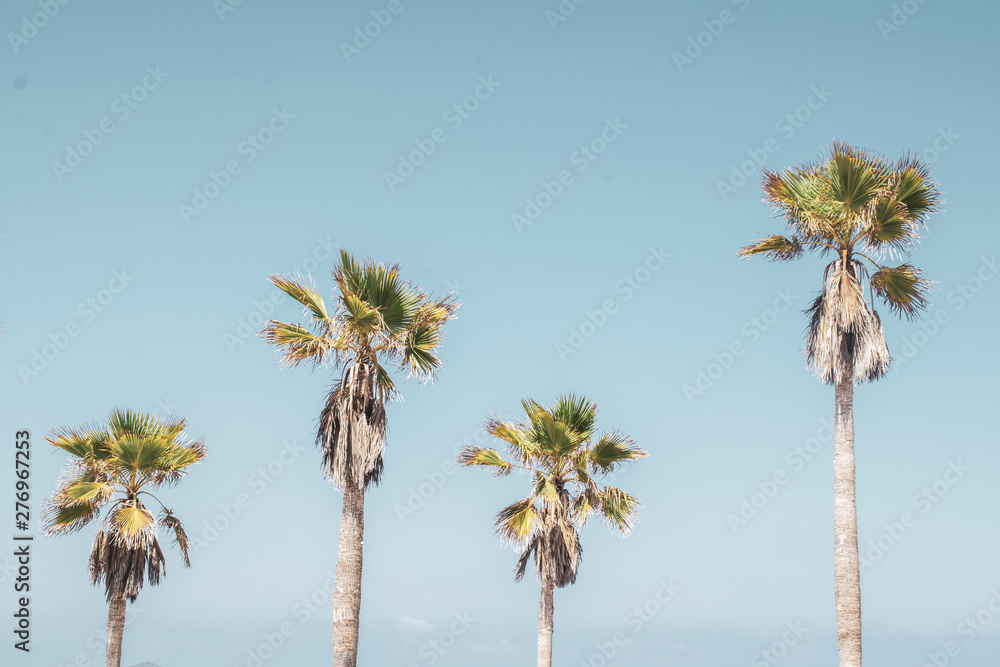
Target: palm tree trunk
{"points": [[545, 626], [846, 571], [347, 579], [116, 628]]}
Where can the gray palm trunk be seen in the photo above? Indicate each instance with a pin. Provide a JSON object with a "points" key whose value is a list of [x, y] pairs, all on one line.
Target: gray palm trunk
{"points": [[545, 610], [846, 570], [116, 628], [347, 579]]}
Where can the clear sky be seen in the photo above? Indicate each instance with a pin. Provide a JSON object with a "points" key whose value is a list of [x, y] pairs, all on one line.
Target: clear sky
{"points": [[581, 184]]}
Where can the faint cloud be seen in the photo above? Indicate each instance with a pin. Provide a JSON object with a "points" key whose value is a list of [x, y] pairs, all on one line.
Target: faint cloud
{"points": [[410, 623]]}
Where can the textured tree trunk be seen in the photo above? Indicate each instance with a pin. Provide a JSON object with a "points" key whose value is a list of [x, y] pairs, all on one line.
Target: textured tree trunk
{"points": [[545, 626], [116, 628], [846, 571], [347, 579]]}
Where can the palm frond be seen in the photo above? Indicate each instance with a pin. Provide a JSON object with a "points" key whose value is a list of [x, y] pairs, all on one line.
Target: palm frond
{"points": [[133, 526], [614, 449], [298, 344], [305, 294], [478, 456], [774, 247], [60, 518], [619, 508], [173, 524], [903, 289], [516, 522], [915, 190], [577, 412]]}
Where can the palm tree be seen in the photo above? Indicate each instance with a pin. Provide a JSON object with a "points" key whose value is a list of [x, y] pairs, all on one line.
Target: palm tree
{"points": [[861, 209], [557, 448], [379, 319], [116, 467]]}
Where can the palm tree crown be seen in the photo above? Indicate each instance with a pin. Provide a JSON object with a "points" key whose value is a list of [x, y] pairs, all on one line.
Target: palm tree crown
{"points": [[379, 319], [557, 448], [862, 209], [116, 467]]}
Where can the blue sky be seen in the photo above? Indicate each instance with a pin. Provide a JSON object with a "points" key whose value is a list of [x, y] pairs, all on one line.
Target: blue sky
{"points": [[161, 161]]}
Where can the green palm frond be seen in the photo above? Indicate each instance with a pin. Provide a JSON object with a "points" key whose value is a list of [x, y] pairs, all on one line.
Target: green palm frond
{"points": [[619, 509], [478, 456], [396, 302], [516, 522], [63, 518], [305, 294], [902, 288], [614, 449], [78, 442], [797, 194], [132, 525], [298, 344], [852, 180], [138, 453], [130, 423], [587, 501], [889, 228], [774, 247], [360, 317], [556, 438], [577, 413], [84, 492], [915, 190], [418, 354], [544, 487]]}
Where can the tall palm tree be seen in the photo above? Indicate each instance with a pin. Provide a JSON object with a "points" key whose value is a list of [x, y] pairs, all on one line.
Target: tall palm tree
{"points": [[557, 448], [860, 209], [116, 467], [379, 319]]}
